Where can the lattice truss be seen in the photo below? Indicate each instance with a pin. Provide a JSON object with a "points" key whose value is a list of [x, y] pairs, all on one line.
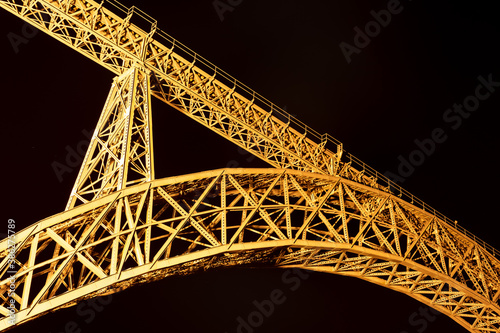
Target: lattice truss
{"points": [[315, 211], [116, 44], [121, 149], [232, 217]]}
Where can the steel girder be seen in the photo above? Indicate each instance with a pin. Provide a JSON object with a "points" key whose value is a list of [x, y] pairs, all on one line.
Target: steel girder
{"points": [[197, 88], [121, 150], [343, 218], [228, 217], [188, 83]]}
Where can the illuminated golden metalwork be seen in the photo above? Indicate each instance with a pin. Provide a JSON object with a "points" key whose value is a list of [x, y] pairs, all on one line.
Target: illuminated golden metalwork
{"points": [[227, 217], [319, 209], [121, 150]]}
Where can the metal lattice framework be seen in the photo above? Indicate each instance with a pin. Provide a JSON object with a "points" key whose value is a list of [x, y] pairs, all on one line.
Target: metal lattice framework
{"points": [[121, 150], [227, 217], [319, 209]]}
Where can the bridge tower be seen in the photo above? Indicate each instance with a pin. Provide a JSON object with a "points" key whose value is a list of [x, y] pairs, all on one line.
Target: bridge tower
{"points": [[318, 207]]}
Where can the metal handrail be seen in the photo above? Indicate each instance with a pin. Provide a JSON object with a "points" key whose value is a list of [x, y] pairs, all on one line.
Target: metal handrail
{"points": [[384, 182]]}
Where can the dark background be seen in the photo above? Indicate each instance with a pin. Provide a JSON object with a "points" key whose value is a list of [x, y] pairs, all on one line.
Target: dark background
{"points": [[394, 91]]}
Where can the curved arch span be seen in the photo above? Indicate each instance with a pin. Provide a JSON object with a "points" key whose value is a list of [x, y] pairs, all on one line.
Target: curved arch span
{"points": [[228, 217]]}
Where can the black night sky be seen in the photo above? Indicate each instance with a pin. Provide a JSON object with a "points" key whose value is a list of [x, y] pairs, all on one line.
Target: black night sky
{"points": [[402, 85]]}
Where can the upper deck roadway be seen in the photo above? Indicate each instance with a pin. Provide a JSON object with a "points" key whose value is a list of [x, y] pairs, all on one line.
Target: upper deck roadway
{"points": [[354, 220]]}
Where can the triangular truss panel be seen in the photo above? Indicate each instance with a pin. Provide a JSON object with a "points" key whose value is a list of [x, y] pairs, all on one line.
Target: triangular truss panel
{"points": [[121, 150], [228, 217], [319, 209]]}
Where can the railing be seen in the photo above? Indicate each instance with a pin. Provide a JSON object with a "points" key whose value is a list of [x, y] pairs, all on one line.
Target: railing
{"points": [[385, 183]]}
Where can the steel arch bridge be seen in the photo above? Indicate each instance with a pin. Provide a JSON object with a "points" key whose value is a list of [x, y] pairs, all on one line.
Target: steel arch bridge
{"points": [[318, 208]]}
